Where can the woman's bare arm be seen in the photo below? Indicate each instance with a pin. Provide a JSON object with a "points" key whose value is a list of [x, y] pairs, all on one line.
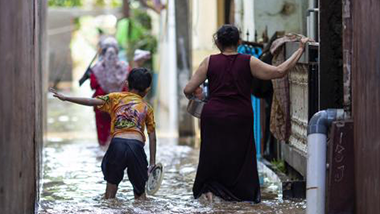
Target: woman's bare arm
{"points": [[197, 79], [265, 71], [78, 100]]}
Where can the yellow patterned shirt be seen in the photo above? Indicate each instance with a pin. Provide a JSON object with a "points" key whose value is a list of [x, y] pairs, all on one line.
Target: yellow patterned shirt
{"points": [[129, 113]]}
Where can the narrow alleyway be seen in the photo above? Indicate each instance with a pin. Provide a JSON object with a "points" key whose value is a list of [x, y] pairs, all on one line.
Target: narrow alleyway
{"points": [[73, 182]]}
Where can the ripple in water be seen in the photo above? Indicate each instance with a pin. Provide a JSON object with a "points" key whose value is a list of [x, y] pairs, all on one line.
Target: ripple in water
{"points": [[73, 183]]}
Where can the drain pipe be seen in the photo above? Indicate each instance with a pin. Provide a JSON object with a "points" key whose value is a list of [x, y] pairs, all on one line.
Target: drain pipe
{"points": [[316, 159]]}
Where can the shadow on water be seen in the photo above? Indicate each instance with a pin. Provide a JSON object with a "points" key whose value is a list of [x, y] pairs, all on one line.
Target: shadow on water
{"points": [[73, 182]]}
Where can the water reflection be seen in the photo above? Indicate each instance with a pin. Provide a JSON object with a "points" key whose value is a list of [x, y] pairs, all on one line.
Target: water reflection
{"points": [[73, 181]]}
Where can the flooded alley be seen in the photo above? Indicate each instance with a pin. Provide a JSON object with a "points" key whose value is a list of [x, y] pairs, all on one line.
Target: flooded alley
{"points": [[283, 94], [73, 182]]}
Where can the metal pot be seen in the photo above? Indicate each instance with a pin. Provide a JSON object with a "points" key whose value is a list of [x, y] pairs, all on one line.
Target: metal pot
{"points": [[195, 107]]}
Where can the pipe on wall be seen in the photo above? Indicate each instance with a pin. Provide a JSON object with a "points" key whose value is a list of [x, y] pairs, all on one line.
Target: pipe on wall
{"points": [[312, 20], [316, 158]]}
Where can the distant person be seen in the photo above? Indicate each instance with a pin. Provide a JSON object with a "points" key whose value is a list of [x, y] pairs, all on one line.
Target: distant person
{"points": [[140, 57], [227, 162], [130, 115], [107, 75], [155, 5], [133, 28]]}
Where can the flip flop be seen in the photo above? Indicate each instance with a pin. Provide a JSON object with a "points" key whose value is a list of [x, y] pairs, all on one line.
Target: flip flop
{"points": [[155, 179]]}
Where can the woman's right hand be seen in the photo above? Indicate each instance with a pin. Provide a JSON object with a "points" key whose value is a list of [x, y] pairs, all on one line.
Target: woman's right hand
{"points": [[303, 42], [198, 93]]}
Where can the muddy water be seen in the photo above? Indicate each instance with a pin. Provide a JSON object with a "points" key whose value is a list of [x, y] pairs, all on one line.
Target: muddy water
{"points": [[73, 182]]}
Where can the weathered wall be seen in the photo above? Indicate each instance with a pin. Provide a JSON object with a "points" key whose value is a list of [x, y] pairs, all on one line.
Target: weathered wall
{"points": [[22, 42], [347, 55], [366, 103], [331, 64], [280, 15], [184, 72], [60, 26], [167, 92], [340, 177]]}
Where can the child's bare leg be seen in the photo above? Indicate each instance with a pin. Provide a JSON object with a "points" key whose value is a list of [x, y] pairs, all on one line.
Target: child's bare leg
{"points": [[209, 196], [141, 197], [111, 190]]}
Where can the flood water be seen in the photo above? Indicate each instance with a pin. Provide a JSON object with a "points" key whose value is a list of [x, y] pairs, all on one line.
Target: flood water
{"points": [[73, 182]]}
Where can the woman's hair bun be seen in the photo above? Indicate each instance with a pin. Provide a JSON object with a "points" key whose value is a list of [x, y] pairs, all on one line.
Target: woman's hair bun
{"points": [[227, 36]]}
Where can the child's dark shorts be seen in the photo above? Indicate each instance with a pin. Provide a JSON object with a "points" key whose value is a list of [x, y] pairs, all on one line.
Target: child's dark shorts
{"points": [[130, 154]]}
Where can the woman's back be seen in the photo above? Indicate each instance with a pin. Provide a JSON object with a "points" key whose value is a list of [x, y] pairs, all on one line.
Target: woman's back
{"points": [[227, 161], [230, 81]]}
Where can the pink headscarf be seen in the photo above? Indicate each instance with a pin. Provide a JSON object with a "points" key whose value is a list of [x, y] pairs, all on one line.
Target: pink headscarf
{"points": [[111, 72]]}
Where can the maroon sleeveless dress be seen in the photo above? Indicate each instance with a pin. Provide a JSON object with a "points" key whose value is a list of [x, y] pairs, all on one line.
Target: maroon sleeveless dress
{"points": [[227, 163]]}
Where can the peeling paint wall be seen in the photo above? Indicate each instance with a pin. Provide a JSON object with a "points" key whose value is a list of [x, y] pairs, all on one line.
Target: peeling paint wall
{"points": [[280, 15], [22, 84], [347, 56]]}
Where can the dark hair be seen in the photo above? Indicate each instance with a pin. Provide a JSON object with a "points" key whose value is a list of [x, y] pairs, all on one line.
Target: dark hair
{"points": [[227, 36], [139, 79]]}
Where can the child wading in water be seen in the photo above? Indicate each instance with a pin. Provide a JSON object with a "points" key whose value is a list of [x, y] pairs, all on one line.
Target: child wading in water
{"points": [[129, 116]]}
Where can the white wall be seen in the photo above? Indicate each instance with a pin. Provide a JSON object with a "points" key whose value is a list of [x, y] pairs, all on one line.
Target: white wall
{"points": [[280, 15], [245, 18], [166, 107], [277, 15], [249, 21], [204, 23]]}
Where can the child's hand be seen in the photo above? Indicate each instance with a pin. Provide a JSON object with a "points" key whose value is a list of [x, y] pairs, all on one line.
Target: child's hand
{"points": [[57, 95], [150, 168]]}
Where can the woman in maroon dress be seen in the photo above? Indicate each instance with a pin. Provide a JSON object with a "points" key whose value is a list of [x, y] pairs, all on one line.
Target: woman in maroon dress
{"points": [[227, 163], [108, 75]]}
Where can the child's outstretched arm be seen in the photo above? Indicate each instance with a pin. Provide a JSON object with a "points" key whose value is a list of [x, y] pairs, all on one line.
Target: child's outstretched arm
{"points": [[152, 149], [77, 100]]}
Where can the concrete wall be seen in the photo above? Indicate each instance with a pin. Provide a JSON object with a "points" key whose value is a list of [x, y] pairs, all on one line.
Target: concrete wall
{"points": [[206, 19], [183, 47], [167, 92], [60, 25], [22, 64], [279, 15], [204, 25], [244, 17], [273, 15]]}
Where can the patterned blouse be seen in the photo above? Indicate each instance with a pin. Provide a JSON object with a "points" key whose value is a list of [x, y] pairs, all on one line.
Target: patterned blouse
{"points": [[129, 113]]}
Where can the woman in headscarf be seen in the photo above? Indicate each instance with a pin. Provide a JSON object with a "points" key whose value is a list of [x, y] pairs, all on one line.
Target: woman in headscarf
{"points": [[107, 75]]}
